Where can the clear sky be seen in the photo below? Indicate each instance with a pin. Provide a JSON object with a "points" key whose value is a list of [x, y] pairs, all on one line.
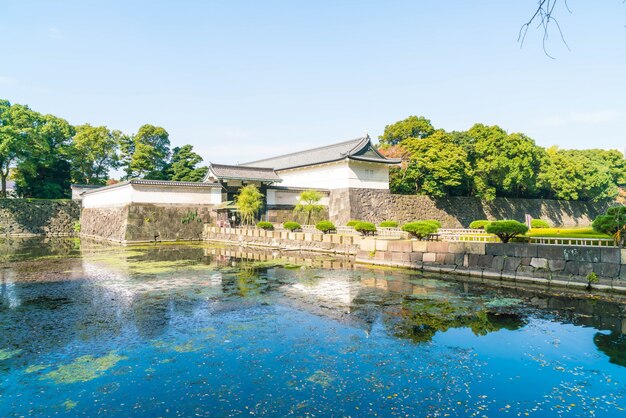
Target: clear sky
{"points": [[241, 80]]}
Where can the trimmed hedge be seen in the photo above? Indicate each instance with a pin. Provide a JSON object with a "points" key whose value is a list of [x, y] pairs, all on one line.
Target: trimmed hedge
{"points": [[352, 222], [505, 230], [292, 226], [326, 227], [365, 228], [479, 224], [268, 226], [539, 223], [388, 224], [434, 222], [420, 229]]}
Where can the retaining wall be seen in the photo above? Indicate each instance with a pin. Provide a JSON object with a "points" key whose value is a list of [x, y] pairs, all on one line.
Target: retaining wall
{"points": [[455, 212], [140, 222], [551, 264], [29, 217]]}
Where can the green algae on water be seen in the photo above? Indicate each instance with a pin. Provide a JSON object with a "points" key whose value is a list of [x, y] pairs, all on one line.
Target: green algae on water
{"points": [[321, 378], [36, 368], [6, 354], [69, 404], [84, 368], [503, 302]]}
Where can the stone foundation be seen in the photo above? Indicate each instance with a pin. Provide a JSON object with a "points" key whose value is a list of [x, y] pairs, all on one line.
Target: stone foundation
{"points": [[139, 222], [29, 217], [455, 212]]}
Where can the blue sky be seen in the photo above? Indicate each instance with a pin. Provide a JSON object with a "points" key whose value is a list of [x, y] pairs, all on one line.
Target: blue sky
{"points": [[241, 80]]}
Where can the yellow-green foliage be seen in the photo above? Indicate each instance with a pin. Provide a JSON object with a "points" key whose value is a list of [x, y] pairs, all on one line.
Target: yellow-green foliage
{"points": [[566, 233], [84, 368], [6, 354]]}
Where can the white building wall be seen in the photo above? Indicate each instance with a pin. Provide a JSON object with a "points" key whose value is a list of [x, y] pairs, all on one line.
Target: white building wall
{"points": [[338, 175], [137, 193], [288, 197]]}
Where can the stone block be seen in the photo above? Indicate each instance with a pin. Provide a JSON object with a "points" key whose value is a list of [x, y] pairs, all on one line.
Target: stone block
{"points": [[551, 252], [400, 246], [327, 238], [421, 246], [441, 258], [495, 248], [524, 271], [571, 268], [450, 259], [493, 275], [364, 255], [382, 245], [539, 263], [556, 265], [585, 254], [348, 239], [368, 244], [459, 259], [401, 257], [473, 260], [511, 263], [429, 257], [498, 262], [308, 236], [476, 248], [466, 260], [526, 261], [457, 247], [485, 261], [622, 272], [335, 239], [610, 255], [584, 268], [607, 270], [437, 246], [417, 257], [522, 250], [623, 255]]}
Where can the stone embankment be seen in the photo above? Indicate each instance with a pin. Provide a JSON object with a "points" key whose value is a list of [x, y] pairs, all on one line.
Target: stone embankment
{"points": [[558, 265], [33, 217]]}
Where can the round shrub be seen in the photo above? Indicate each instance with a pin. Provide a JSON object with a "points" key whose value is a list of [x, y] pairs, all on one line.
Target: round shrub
{"points": [[292, 226], [326, 227], [539, 223], [365, 228], [352, 222], [434, 222], [505, 230], [388, 224], [420, 229], [479, 224], [268, 226]]}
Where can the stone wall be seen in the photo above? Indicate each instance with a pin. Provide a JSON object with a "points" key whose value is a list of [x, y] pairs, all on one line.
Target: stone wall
{"points": [[140, 222], [280, 214], [552, 264], [456, 212], [38, 217]]}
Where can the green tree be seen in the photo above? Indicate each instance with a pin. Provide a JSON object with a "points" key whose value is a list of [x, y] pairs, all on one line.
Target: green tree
{"points": [[438, 166], [249, 201], [93, 153], [44, 170], [150, 157], [506, 230], [17, 123], [308, 204], [127, 150], [184, 165], [613, 223], [411, 127]]}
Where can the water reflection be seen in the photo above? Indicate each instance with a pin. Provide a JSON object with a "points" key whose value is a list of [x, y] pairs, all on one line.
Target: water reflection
{"points": [[271, 311]]}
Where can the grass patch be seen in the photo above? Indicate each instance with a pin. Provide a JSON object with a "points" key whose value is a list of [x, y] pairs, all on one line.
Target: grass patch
{"points": [[565, 233]]}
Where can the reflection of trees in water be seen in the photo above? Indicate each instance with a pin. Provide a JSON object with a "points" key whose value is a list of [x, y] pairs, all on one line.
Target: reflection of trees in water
{"points": [[15, 248], [613, 345], [420, 319]]}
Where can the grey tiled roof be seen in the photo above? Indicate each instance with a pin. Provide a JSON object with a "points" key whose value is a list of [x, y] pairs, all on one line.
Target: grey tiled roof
{"points": [[238, 172], [166, 183], [357, 149]]}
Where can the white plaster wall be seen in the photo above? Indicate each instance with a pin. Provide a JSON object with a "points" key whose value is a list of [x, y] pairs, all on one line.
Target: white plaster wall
{"points": [[288, 197], [365, 175], [338, 175], [176, 195], [117, 196], [136, 193], [324, 176]]}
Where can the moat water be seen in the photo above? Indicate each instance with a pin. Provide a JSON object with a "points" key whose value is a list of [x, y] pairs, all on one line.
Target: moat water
{"points": [[89, 329]]}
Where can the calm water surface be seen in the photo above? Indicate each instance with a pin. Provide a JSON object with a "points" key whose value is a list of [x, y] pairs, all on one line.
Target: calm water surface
{"points": [[172, 330]]}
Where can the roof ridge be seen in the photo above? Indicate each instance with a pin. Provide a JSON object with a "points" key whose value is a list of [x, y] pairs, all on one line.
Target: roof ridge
{"points": [[306, 150], [248, 167]]}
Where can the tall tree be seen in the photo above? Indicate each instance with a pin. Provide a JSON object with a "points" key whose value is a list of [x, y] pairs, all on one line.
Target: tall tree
{"points": [[151, 152], [125, 158], [411, 127], [93, 153], [249, 202], [17, 124], [309, 204], [184, 166]]}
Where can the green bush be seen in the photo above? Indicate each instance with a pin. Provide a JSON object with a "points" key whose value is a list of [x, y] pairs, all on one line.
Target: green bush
{"points": [[365, 228], [352, 222], [420, 229], [613, 222], [292, 226], [388, 224], [326, 227], [268, 226], [479, 224], [539, 223], [505, 230], [434, 222]]}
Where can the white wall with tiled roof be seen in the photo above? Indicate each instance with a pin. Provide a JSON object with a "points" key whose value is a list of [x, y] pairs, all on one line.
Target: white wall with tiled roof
{"points": [[338, 175]]}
